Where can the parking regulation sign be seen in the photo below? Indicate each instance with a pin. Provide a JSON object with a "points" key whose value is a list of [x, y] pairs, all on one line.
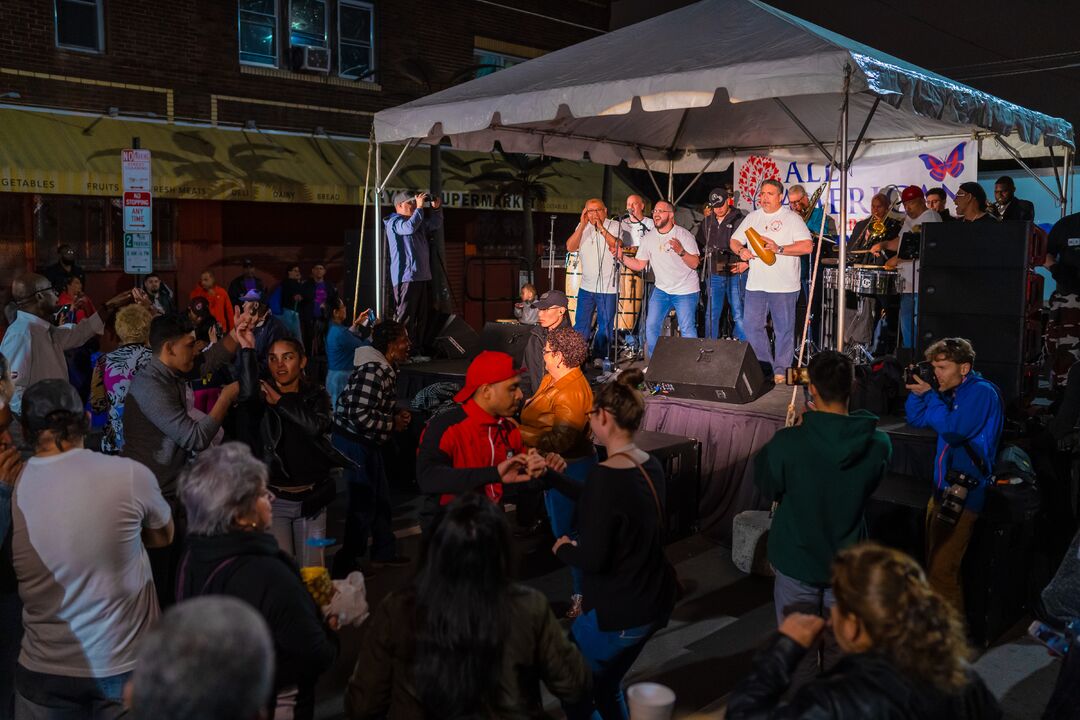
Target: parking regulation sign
{"points": [[135, 169], [138, 212], [138, 254]]}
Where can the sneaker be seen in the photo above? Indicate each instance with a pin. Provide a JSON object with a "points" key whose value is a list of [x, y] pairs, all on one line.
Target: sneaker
{"points": [[396, 561], [575, 607]]}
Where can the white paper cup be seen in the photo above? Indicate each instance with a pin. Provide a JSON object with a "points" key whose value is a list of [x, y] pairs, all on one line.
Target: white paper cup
{"points": [[650, 701]]}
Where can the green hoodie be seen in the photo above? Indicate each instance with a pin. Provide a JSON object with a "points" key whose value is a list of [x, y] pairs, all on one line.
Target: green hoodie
{"points": [[822, 472]]}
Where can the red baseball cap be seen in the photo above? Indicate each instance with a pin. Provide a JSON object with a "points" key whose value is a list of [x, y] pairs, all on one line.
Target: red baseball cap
{"points": [[487, 368], [911, 192]]}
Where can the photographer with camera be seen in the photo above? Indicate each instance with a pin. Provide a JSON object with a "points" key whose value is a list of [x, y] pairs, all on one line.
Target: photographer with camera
{"points": [[409, 230], [966, 412], [822, 471]]}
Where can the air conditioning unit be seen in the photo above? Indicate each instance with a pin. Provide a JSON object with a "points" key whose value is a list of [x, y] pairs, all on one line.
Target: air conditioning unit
{"points": [[314, 59]]}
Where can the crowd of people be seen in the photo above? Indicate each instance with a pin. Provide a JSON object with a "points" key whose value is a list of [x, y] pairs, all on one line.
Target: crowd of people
{"points": [[173, 580]]}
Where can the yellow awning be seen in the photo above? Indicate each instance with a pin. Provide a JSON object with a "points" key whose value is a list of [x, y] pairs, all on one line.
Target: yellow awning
{"points": [[64, 154]]}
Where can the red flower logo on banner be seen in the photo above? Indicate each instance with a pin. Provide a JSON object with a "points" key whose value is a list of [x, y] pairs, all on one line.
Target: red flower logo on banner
{"points": [[756, 169]]}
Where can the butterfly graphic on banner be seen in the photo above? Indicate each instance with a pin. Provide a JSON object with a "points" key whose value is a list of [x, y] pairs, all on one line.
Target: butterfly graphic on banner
{"points": [[952, 165]]}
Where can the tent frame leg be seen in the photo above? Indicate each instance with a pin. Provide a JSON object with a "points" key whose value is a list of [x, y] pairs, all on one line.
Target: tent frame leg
{"points": [[659, 192], [1020, 160], [696, 178], [806, 131], [843, 224]]}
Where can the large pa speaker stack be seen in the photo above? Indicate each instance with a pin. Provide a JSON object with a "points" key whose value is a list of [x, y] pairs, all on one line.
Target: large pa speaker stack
{"points": [[724, 371], [978, 282]]}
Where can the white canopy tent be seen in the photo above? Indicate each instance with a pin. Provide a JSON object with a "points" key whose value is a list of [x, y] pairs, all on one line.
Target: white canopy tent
{"points": [[684, 91]]}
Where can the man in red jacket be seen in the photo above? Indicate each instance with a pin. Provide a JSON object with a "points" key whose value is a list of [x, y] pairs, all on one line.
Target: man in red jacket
{"points": [[477, 446]]}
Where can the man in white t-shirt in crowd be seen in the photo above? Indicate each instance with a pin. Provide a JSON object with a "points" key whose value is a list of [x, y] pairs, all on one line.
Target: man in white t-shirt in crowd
{"points": [[673, 254], [636, 224], [594, 240], [917, 213], [772, 289], [81, 523]]}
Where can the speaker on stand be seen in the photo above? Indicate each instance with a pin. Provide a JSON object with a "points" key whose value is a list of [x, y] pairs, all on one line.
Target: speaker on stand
{"points": [[977, 281]]}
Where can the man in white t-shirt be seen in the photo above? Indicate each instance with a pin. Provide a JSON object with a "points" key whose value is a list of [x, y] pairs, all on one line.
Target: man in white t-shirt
{"points": [[917, 215], [673, 254], [81, 523], [594, 240], [773, 289], [636, 224]]}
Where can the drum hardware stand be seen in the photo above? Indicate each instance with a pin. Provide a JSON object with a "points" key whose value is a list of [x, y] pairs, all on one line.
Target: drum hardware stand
{"points": [[551, 254], [613, 349]]}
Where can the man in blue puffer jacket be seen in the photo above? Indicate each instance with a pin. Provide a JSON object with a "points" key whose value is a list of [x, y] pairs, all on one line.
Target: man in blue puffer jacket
{"points": [[966, 412]]}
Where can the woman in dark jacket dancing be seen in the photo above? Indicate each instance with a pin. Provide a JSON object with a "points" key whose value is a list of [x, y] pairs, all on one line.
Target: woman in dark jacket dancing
{"points": [[286, 421], [230, 552], [907, 656]]}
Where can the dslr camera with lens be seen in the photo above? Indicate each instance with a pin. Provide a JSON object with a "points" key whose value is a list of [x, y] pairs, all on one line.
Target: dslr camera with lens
{"points": [[925, 370], [955, 498]]}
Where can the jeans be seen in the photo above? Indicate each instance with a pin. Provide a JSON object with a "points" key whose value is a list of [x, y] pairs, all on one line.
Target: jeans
{"points": [[731, 288], [604, 305], [561, 509], [945, 548], [292, 532], [335, 384], [39, 696], [370, 512], [660, 304], [791, 595], [909, 307], [781, 306], [609, 654]]}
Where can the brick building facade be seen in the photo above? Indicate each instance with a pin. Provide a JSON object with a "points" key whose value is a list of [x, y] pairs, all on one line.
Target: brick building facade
{"points": [[200, 66]]}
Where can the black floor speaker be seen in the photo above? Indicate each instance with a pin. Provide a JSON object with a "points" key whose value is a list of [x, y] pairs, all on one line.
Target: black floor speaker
{"points": [[509, 338], [454, 338], [724, 371], [976, 282]]}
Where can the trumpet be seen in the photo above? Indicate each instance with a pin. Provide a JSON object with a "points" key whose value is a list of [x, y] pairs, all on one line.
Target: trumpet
{"points": [[767, 256]]}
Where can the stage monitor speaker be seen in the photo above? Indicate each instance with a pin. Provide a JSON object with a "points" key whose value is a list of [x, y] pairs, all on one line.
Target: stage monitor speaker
{"points": [[724, 371], [509, 338], [976, 282], [455, 338]]}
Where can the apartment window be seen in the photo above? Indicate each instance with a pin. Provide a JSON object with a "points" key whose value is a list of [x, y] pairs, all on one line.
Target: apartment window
{"points": [[307, 23], [488, 62], [80, 25], [258, 32], [356, 39]]}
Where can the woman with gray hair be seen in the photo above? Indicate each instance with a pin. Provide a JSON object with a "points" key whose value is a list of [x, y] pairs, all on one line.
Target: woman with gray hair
{"points": [[230, 551]]}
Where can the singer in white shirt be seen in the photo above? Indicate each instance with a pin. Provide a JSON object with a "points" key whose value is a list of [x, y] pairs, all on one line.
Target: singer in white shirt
{"points": [[594, 240]]}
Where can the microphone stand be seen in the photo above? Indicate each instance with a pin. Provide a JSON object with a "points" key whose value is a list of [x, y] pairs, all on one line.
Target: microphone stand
{"points": [[551, 254], [616, 276], [706, 277]]}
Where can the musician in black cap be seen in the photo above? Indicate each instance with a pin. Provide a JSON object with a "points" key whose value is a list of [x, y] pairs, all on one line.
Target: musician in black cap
{"points": [[724, 271]]}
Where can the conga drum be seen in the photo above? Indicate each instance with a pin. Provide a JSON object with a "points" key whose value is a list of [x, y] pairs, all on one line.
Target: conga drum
{"points": [[631, 295], [573, 282]]}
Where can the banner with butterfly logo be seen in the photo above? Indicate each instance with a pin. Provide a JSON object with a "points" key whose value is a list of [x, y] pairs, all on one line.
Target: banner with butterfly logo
{"points": [[944, 164]]}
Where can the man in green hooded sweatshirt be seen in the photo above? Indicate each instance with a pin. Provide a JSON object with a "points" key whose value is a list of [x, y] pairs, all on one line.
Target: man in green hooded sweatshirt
{"points": [[822, 471]]}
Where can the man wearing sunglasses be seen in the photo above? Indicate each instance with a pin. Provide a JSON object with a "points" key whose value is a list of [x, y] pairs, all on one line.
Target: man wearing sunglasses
{"points": [[33, 345]]}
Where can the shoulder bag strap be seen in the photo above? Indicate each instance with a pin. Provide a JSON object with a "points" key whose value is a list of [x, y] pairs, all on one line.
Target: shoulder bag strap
{"points": [[649, 482]]}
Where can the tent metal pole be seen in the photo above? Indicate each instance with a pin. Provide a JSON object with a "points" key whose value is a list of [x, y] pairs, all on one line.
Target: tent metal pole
{"points": [[806, 130], [1057, 175], [862, 133], [1065, 181], [659, 193], [696, 178], [1016, 156], [363, 227], [670, 180], [843, 229], [378, 234], [401, 156]]}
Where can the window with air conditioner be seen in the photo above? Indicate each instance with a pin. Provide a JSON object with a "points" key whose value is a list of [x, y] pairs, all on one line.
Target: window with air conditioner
{"points": [[80, 25], [307, 23], [258, 32], [356, 39]]}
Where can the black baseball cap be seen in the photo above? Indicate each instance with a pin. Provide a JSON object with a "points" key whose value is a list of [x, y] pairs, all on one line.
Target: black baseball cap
{"points": [[717, 197], [45, 397], [550, 299]]}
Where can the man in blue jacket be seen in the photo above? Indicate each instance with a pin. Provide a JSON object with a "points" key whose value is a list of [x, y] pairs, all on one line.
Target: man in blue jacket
{"points": [[966, 412], [408, 232]]}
